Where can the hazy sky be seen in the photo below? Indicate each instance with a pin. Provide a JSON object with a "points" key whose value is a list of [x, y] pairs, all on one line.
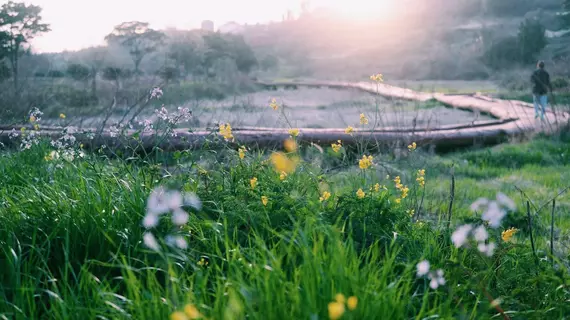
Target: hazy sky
{"points": [[78, 24]]}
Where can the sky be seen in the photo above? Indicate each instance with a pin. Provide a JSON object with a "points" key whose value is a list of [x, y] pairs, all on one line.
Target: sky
{"points": [[78, 24]]}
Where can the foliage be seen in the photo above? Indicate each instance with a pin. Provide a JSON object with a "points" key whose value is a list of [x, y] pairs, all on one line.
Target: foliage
{"points": [[78, 72], [531, 40]]}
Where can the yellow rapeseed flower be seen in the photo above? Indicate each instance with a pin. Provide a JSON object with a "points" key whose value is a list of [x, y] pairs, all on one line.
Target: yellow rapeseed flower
{"points": [[398, 183], [412, 146], [62, 116], [226, 131], [36, 126], [360, 194], [508, 234], [192, 312], [264, 200], [178, 315], [352, 302], [377, 77], [290, 145], [282, 175], [398, 200], [274, 104], [339, 297], [421, 177], [281, 163], [365, 162], [336, 146], [293, 132], [326, 195], [203, 262], [349, 130], [411, 212], [405, 191], [336, 310], [241, 152], [32, 119], [253, 182], [363, 119], [377, 187]]}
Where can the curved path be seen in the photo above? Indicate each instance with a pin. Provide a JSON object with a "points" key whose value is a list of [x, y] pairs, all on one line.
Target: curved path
{"points": [[513, 118]]}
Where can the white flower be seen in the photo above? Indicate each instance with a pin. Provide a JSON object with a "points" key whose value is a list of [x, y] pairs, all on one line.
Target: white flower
{"points": [[150, 241], [423, 268], [191, 199], [494, 214], [481, 202], [480, 234], [180, 217], [459, 236], [504, 200], [395, 235], [487, 249], [156, 93], [437, 279], [434, 283], [150, 221], [176, 241], [161, 201]]}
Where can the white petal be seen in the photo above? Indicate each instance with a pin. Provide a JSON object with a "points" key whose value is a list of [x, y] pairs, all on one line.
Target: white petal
{"points": [[459, 236], [506, 201], [174, 200], [491, 249], [180, 217], [150, 241], [156, 203], [181, 243], [150, 221], [494, 214], [441, 281], [191, 199], [480, 234], [423, 268], [481, 202], [439, 273], [433, 283]]}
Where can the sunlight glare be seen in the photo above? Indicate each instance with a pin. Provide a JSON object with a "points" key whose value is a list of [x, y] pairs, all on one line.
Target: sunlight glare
{"points": [[363, 9]]}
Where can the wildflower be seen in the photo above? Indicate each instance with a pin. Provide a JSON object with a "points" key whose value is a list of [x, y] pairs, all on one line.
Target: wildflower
{"points": [[32, 119], [203, 262], [293, 132], [336, 146], [36, 126], [411, 212], [480, 234], [241, 152], [508, 234], [283, 175], [150, 241], [459, 236], [282, 163], [326, 195], [494, 214], [176, 241], [404, 191], [365, 162], [377, 77], [62, 116], [352, 302], [253, 182], [274, 104], [339, 297], [437, 279], [192, 312], [494, 211], [363, 119], [52, 156], [264, 200], [360, 194], [423, 268], [290, 145], [156, 93], [398, 183], [377, 187], [226, 131], [506, 201], [180, 217], [336, 310], [412, 147], [487, 249], [398, 200], [421, 177], [178, 315], [349, 130]]}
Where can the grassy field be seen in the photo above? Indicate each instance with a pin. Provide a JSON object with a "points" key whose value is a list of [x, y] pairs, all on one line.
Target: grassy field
{"points": [[334, 238]]}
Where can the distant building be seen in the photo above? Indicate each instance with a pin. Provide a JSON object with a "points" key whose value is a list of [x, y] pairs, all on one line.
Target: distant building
{"points": [[231, 27], [208, 25]]}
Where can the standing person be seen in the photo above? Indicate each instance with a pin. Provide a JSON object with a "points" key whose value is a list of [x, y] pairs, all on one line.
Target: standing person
{"points": [[540, 85]]}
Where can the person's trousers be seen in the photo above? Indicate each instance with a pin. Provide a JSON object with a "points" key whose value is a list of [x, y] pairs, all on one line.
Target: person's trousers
{"points": [[540, 102]]}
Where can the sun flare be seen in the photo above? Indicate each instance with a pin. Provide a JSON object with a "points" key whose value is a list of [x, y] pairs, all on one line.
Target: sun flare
{"points": [[362, 9]]}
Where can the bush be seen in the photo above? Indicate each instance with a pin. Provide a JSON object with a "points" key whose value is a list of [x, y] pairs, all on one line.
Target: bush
{"points": [[55, 74], [560, 83]]}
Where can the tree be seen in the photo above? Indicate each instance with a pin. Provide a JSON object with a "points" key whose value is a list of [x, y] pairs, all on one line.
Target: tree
{"points": [[19, 23], [565, 14], [78, 72], [138, 38], [185, 55], [531, 40]]}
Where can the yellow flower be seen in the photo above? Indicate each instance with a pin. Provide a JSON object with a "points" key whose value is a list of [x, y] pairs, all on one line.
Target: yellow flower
{"points": [[339, 297], [293, 132], [51, 156], [36, 126], [282, 163], [22, 129], [352, 302], [32, 119], [508, 234], [421, 177], [398, 200], [363, 119], [412, 146], [377, 187], [377, 77], [336, 146], [264, 200], [81, 146], [326, 195], [336, 310], [365, 162], [253, 182], [398, 182], [241, 152], [360, 194], [349, 130], [203, 262], [226, 131], [405, 191], [274, 104], [283, 175], [192, 312], [290, 145], [178, 315], [411, 212], [62, 116]]}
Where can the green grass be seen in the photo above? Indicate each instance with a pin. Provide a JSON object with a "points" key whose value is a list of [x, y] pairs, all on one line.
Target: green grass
{"points": [[71, 238]]}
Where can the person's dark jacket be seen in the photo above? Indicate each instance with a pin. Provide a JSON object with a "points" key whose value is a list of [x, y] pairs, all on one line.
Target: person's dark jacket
{"points": [[540, 82]]}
